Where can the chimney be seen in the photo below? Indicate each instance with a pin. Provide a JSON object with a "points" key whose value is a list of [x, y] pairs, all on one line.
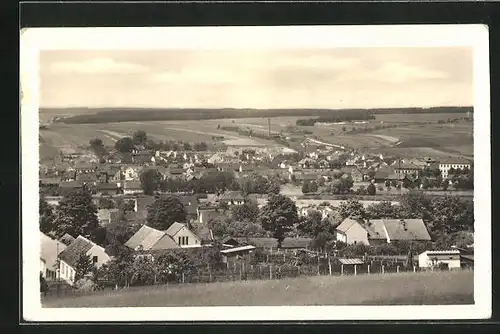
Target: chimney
{"points": [[403, 222]]}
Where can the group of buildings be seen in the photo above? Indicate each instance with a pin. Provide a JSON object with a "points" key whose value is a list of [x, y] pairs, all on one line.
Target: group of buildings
{"points": [[119, 176]]}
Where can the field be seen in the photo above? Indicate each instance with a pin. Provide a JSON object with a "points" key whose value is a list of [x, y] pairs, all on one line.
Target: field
{"points": [[423, 288], [406, 140]]}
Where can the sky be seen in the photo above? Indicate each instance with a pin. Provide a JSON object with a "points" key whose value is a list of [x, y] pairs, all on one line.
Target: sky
{"points": [[370, 77]]}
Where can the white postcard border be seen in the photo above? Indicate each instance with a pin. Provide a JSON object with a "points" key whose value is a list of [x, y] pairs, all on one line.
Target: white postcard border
{"points": [[34, 40]]}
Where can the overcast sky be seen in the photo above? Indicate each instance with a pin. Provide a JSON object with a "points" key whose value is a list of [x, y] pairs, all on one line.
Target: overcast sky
{"points": [[307, 78]]}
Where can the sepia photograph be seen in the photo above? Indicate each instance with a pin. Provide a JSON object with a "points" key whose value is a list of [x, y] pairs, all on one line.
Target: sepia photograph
{"points": [[234, 171]]}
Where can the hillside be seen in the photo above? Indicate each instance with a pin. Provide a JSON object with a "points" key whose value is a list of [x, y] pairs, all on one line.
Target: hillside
{"points": [[112, 115]]}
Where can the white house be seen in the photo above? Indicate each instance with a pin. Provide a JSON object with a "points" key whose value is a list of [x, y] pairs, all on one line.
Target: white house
{"points": [[131, 173], [183, 235], [431, 259], [446, 165], [43, 267], [49, 250], [70, 256]]}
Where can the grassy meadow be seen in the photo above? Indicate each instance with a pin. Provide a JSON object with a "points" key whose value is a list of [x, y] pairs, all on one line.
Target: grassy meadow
{"points": [[407, 140], [421, 288]]}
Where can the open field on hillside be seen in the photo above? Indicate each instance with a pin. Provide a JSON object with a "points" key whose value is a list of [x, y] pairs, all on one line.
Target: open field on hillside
{"points": [[65, 136], [423, 288]]}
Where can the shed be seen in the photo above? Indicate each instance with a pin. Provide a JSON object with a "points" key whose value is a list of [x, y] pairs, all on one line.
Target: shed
{"points": [[431, 259], [236, 252]]}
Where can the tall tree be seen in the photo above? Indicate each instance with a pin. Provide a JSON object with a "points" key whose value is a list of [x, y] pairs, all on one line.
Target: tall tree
{"points": [[97, 146], [450, 214], [77, 215], [415, 204], [351, 208], [124, 145], [83, 266], [46, 217], [371, 190], [383, 209], [150, 180], [140, 137], [165, 211], [278, 216]]}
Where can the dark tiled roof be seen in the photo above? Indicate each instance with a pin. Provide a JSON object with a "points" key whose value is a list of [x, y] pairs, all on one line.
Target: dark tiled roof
{"points": [[132, 185], [232, 195], [71, 254], [71, 184]]}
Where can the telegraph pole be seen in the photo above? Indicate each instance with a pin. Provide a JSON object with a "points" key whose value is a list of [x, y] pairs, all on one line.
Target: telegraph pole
{"points": [[58, 267]]}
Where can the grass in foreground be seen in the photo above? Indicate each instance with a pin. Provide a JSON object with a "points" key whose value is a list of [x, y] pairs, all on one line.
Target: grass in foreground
{"points": [[425, 288]]}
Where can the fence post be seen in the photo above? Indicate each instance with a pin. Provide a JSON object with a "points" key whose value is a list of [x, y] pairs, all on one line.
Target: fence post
{"points": [[368, 269], [414, 269], [355, 270], [382, 269], [397, 269], [240, 271], [341, 269], [183, 277], [329, 265], [298, 270], [270, 271]]}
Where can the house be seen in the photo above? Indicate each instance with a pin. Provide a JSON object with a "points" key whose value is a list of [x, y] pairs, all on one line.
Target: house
{"points": [[143, 158], [107, 216], [206, 236], [49, 250], [131, 173], [206, 214], [236, 253], [232, 198], [111, 188], [403, 167], [379, 231], [148, 238], [183, 235], [132, 187], [87, 178], [69, 257], [85, 168], [448, 258], [65, 187], [455, 163]]}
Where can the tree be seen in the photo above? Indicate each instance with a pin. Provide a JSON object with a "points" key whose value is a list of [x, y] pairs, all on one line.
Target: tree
{"points": [[388, 184], [187, 147], [106, 203], [278, 216], [371, 190], [124, 145], [44, 287], [351, 208], [150, 180], [450, 214], [46, 217], [415, 204], [97, 146], [165, 211], [425, 183], [118, 270], [117, 234], [247, 212], [140, 137], [306, 187], [313, 187], [83, 266], [445, 184], [77, 215], [383, 209]]}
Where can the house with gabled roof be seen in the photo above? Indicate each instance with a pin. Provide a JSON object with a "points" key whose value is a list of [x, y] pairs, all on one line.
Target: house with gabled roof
{"points": [[148, 238], [183, 235], [69, 257], [380, 231], [49, 250]]}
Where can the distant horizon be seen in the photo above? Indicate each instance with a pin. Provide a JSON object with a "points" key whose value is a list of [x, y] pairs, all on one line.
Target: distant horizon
{"points": [[257, 109]]}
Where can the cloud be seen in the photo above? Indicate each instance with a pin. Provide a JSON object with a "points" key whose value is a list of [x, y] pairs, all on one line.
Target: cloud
{"points": [[96, 66], [396, 72]]}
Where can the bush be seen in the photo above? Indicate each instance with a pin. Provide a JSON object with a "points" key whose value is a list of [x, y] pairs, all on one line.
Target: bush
{"points": [[87, 285]]}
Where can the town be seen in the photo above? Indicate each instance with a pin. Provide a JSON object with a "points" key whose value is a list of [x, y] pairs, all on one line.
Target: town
{"points": [[145, 212]]}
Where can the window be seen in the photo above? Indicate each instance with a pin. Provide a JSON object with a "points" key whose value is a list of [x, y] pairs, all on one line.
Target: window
{"points": [[94, 259], [179, 241], [187, 242]]}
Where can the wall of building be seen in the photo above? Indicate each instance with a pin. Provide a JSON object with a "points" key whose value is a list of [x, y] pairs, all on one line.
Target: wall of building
{"points": [[192, 239]]}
